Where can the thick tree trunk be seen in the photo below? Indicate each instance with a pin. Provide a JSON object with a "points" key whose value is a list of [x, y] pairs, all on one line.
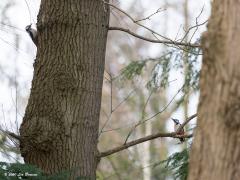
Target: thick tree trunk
{"points": [[60, 127], [216, 151]]}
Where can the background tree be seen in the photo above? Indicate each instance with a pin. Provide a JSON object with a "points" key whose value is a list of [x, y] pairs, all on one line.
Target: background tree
{"points": [[215, 152]]}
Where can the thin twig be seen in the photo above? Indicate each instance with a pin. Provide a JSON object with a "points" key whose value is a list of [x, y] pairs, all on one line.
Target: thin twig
{"points": [[164, 107], [124, 100], [143, 121], [111, 105], [195, 26], [11, 134], [15, 136], [113, 110], [149, 16], [11, 26], [143, 116]]}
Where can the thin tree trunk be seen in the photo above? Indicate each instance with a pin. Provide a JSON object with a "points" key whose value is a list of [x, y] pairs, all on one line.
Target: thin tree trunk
{"points": [[186, 63], [145, 152], [143, 149], [60, 127], [186, 67], [216, 151]]}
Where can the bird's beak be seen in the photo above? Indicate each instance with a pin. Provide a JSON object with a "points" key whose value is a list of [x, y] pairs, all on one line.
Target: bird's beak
{"points": [[174, 120]]}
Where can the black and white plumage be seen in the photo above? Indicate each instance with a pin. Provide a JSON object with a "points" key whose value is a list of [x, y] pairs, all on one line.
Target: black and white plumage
{"points": [[177, 124], [32, 33]]}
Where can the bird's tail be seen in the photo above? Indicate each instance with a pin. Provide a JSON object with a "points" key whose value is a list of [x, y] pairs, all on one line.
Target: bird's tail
{"points": [[182, 139]]}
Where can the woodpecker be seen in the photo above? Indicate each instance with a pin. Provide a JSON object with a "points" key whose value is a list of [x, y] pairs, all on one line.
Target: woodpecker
{"points": [[177, 124], [32, 33]]}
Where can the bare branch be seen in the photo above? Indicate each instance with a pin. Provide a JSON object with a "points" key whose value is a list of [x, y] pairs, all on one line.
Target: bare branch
{"points": [[169, 41], [149, 16], [134, 125], [124, 100], [148, 138], [8, 133], [195, 26], [153, 40], [140, 122], [145, 120], [141, 140], [164, 108], [115, 108], [11, 134]]}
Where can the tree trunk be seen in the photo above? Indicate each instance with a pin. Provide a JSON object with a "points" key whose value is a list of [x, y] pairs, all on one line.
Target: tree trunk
{"points": [[216, 151], [60, 127]]}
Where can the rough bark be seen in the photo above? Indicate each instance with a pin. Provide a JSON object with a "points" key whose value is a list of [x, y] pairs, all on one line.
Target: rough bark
{"points": [[60, 127], [216, 151]]}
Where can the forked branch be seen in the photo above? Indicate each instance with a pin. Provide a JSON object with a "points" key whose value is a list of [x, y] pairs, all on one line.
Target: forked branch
{"points": [[167, 41], [154, 40]]}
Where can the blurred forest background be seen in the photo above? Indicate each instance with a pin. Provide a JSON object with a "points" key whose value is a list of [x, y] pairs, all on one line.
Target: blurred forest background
{"points": [[145, 83]]}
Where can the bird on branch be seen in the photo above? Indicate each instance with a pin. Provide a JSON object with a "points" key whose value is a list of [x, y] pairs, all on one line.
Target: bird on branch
{"points": [[177, 125]]}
